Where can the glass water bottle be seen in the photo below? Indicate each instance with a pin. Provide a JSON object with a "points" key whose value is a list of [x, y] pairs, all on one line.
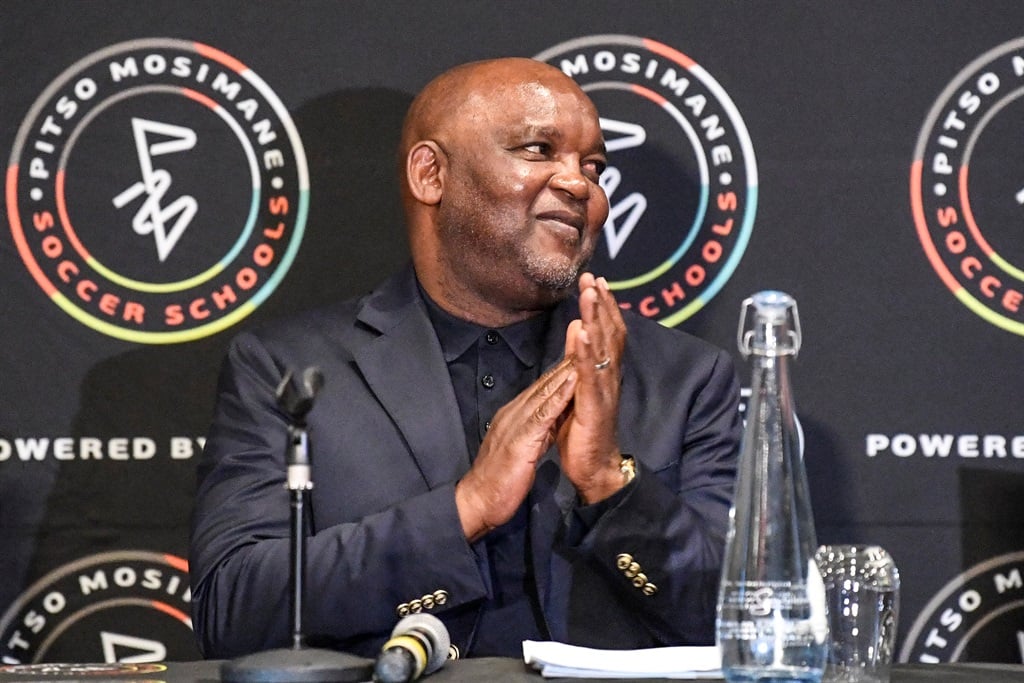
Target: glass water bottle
{"points": [[771, 603]]}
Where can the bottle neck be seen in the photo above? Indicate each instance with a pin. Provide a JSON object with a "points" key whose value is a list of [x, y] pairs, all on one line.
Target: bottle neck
{"points": [[772, 371], [771, 399]]}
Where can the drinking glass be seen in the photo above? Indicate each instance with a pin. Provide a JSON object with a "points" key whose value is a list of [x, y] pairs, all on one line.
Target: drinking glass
{"points": [[862, 587]]}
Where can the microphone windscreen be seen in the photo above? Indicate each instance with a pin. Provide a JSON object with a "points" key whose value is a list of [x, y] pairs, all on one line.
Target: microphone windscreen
{"points": [[434, 629], [295, 392], [394, 665], [312, 381]]}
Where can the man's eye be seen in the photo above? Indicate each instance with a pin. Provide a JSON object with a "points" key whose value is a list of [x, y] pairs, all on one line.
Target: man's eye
{"points": [[537, 147], [595, 167]]}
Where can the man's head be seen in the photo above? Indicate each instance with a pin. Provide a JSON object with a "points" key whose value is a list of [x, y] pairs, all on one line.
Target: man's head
{"points": [[501, 161]]}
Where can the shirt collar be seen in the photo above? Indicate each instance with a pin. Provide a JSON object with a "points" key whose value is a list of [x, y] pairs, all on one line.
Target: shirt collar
{"points": [[525, 338]]}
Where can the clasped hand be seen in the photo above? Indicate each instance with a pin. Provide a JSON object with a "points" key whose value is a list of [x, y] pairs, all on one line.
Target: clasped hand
{"points": [[575, 405]]}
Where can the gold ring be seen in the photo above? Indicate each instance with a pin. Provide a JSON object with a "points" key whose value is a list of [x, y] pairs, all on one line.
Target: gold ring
{"points": [[603, 364]]}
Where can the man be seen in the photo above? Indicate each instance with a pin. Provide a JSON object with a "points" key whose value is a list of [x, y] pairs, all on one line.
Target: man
{"points": [[489, 446]]}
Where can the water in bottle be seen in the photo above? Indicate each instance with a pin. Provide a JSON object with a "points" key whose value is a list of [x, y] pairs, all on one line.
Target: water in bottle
{"points": [[772, 624]]}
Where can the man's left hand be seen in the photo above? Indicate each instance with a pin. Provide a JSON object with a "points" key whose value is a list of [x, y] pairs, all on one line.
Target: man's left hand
{"points": [[587, 439]]}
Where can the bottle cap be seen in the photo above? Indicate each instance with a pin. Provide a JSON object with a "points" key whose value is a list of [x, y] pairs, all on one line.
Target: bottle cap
{"points": [[769, 325]]}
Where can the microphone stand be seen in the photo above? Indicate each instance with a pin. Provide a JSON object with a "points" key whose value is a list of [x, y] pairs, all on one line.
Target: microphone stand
{"points": [[298, 664]]}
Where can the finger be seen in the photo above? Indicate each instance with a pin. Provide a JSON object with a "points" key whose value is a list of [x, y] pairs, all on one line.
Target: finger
{"points": [[559, 369], [609, 306], [552, 382], [586, 281], [588, 298], [608, 320], [594, 337], [571, 333], [589, 306], [553, 386], [554, 398], [548, 403]]}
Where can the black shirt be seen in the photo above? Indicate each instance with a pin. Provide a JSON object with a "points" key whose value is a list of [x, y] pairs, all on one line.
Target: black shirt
{"points": [[489, 367]]}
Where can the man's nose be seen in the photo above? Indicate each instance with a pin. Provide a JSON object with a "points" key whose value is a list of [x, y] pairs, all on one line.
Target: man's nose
{"points": [[571, 180]]}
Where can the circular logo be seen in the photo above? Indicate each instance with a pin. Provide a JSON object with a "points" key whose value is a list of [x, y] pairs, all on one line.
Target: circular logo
{"points": [[128, 606], [157, 191], [975, 617], [681, 180], [967, 186]]}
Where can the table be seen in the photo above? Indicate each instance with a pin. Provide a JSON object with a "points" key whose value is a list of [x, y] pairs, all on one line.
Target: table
{"points": [[489, 670]]}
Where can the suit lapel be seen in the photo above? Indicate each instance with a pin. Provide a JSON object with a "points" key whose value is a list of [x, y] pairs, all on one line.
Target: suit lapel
{"points": [[405, 369]]}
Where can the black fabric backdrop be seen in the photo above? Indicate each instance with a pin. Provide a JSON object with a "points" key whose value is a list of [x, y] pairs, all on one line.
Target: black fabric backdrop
{"points": [[908, 393]]}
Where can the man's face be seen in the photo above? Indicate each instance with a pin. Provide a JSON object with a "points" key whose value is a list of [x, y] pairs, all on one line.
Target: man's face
{"points": [[522, 209]]}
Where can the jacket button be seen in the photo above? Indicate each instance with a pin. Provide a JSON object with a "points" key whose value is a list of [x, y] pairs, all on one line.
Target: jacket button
{"points": [[428, 602], [440, 597], [639, 580], [623, 560], [632, 570], [415, 606], [403, 609], [649, 589]]}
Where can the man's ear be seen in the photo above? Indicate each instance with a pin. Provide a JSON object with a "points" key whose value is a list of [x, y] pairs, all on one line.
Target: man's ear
{"points": [[424, 171]]}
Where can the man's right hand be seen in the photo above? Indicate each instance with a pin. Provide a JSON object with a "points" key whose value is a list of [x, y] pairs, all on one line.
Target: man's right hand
{"points": [[520, 433]]}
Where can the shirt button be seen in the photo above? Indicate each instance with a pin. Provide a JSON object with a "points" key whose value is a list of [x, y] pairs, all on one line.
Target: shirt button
{"points": [[487, 381], [487, 425], [491, 337]]}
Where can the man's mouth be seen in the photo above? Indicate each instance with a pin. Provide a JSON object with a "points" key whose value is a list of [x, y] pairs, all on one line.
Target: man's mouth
{"points": [[570, 219]]}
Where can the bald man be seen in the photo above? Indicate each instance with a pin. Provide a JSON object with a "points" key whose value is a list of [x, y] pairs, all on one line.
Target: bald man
{"points": [[496, 443]]}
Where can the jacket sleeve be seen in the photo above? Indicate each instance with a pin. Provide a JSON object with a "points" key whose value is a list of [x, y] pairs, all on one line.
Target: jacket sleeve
{"points": [[360, 571], [651, 563]]}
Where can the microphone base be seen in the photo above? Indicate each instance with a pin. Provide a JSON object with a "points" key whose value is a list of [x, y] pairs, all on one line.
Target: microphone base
{"points": [[302, 665]]}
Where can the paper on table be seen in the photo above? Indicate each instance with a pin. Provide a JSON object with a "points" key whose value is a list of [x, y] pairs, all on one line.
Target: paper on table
{"points": [[571, 661]]}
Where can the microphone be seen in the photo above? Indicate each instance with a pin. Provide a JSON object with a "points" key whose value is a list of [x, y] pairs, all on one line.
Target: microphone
{"points": [[295, 393], [418, 646]]}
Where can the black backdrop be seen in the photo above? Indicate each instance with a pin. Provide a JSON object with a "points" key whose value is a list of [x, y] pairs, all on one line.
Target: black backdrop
{"points": [[799, 122]]}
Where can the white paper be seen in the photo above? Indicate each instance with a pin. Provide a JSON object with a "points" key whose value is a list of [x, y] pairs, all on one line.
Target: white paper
{"points": [[558, 660]]}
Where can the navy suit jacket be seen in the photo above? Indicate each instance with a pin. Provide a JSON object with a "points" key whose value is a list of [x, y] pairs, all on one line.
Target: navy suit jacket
{"points": [[387, 449]]}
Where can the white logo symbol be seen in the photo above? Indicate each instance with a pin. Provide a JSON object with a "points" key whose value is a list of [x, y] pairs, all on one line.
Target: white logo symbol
{"points": [[152, 218], [149, 650], [633, 206]]}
